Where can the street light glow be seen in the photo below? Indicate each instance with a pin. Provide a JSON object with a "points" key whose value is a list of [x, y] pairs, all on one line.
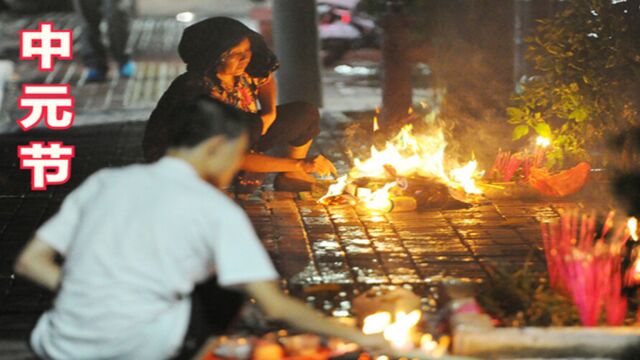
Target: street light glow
{"points": [[186, 16]]}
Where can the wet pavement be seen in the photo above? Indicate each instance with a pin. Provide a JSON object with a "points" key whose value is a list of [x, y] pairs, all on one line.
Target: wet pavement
{"points": [[325, 254]]}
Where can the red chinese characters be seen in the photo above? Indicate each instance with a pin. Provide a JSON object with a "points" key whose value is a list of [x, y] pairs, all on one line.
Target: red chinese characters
{"points": [[54, 103], [49, 162], [45, 44]]}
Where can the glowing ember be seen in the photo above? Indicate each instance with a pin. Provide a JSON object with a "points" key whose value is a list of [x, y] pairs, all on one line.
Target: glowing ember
{"points": [[632, 225], [542, 141], [422, 155]]}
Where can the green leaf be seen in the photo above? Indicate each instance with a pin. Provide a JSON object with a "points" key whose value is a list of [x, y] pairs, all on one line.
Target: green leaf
{"points": [[514, 112], [520, 131], [543, 129], [581, 115]]}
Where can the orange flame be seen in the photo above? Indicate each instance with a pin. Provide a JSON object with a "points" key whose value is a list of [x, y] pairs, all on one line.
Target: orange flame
{"points": [[633, 274], [335, 189], [376, 323], [632, 225], [399, 332], [411, 154]]}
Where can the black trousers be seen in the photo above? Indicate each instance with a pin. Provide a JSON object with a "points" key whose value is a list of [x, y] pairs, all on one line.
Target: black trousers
{"points": [[118, 16], [296, 124], [213, 309]]}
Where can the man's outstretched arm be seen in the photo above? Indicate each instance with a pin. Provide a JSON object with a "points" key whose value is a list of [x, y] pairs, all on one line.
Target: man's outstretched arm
{"points": [[37, 263], [285, 308], [279, 306]]}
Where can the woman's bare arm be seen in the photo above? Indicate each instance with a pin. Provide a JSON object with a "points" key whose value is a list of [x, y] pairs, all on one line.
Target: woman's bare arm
{"points": [[37, 263], [265, 163], [267, 95]]}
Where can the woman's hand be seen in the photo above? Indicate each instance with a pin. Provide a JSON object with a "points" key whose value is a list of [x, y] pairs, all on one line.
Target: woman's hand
{"points": [[319, 165], [267, 120]]}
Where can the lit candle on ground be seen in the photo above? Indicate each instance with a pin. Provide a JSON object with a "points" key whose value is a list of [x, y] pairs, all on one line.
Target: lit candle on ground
{"points": [[542, 143]]}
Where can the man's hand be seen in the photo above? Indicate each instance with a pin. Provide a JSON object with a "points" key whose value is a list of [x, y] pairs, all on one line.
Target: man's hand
{"points": [[278, 306], [319, 165], [267, 120]]}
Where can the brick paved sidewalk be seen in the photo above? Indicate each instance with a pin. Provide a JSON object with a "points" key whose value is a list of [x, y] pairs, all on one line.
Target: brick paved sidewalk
{"points": [[325, 254]]}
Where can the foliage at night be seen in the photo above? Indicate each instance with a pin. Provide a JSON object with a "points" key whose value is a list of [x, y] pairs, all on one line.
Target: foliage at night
{"points": [[523, 298], [587, 59]]}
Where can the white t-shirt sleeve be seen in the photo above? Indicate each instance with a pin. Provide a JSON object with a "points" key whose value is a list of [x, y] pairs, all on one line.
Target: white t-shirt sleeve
{"points": [[59, 230], [239, 256]]}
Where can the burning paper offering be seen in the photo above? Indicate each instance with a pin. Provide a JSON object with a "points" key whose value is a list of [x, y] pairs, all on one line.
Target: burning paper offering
{"points": [[410, 171]]}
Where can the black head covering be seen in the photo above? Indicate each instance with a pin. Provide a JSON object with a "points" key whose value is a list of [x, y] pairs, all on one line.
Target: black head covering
{"points": [[204, 42]]}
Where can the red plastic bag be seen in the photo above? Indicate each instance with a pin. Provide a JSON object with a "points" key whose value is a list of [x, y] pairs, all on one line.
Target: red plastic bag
{"points": [[564, 183]]}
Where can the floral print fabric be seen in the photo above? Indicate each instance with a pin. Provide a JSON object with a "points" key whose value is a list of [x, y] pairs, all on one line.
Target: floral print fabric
{"points": [[244, 95]]}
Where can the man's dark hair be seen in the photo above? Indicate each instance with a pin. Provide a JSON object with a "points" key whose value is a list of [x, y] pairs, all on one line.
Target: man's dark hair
{"points": [[201, 117]]}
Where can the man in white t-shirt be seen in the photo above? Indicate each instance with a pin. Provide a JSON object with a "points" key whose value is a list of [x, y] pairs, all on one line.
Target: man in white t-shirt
{"points": [[136, 240]]}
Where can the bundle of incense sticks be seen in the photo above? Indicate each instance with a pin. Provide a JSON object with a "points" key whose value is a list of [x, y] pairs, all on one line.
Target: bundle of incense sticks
{"points": [[539, 156], [526, 167], [616, 305], [586, 266], [506, 164]]}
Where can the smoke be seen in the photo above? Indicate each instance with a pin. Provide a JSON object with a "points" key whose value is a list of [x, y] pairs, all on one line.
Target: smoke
{"points": [[625, 184]]}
